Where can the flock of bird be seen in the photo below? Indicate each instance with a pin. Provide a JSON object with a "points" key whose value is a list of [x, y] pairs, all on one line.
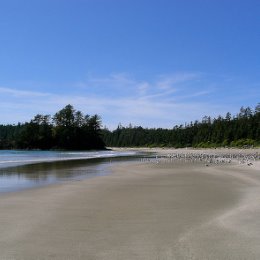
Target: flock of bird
{"points": [[206, 158]]}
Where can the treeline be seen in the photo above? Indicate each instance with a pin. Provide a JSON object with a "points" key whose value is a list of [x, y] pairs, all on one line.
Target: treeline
{"points": [[72, 130], [242, 130], [67, 129]]}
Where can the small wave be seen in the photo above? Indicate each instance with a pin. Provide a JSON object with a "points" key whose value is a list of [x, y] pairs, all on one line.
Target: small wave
{"points": [[28, 157]]}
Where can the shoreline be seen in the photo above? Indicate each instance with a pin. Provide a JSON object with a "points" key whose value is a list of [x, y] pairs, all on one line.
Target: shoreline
{"points": [[187, 149], [143, 210], [32, 170]]}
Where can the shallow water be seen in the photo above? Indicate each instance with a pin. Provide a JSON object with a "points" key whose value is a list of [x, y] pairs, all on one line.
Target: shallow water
{"points": [[19, 157], [27, 169]]}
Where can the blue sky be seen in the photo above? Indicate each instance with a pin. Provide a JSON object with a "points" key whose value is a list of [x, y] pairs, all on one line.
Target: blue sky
{"points": [[150, 63]]}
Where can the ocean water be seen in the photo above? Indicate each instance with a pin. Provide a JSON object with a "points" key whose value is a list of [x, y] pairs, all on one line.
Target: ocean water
{"points": [[28, 169]]}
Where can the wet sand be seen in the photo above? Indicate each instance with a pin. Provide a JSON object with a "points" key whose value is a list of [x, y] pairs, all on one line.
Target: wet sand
{"points": [[165, 210]]}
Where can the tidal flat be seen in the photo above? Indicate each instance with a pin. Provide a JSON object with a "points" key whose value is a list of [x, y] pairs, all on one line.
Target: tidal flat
{"points": [[145, 209]]}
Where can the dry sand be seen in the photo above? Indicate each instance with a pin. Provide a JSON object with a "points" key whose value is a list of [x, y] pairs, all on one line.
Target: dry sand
{"points": [[140, 211]]}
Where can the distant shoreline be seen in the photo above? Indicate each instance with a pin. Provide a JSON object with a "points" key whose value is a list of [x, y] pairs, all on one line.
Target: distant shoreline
{"points": [[188, 149]]}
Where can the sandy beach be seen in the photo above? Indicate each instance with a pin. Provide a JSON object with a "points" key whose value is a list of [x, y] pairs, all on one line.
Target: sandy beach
{"points": [[143, 210]]}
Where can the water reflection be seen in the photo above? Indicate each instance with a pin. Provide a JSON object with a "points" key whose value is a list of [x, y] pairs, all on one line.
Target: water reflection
{"points": [[32, 175]]}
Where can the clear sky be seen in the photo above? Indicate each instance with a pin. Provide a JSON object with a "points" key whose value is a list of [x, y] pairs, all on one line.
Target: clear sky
{"points": [[154, 63]]}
